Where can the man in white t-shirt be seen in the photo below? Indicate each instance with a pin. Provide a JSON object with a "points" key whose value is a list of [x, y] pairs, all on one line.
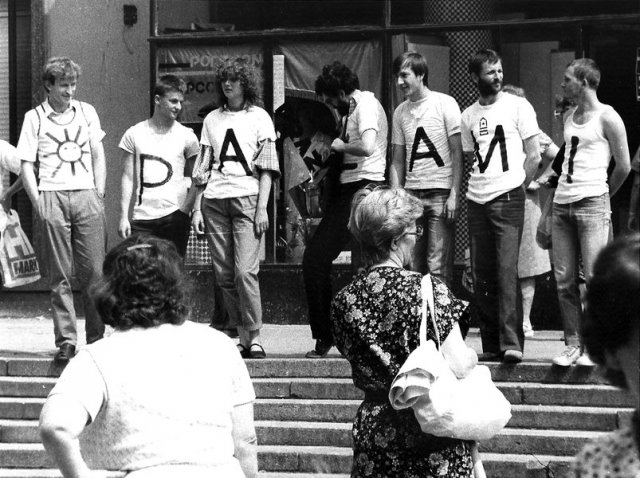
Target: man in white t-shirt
{"points": [[594, 134], [64, 172], [362, 148], [500, 139], [159, 153], [427, 160]]}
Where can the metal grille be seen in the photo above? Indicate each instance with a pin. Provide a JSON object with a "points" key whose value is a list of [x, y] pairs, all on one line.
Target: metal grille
{"points": [[463, 45], [198, 252]]}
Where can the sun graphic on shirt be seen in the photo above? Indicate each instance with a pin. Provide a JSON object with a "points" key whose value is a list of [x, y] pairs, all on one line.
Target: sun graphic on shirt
{"points": [[69, 151]]}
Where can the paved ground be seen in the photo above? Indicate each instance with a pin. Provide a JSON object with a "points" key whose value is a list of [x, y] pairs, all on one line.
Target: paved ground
{"points": [[33, 336]]}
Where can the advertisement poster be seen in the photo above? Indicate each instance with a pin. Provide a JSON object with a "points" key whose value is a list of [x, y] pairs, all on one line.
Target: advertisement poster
{"points": [[196, 65]]}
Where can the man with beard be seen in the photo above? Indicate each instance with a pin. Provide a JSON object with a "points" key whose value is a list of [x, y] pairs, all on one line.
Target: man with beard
{"points": [[363, 147], [494, 130]]}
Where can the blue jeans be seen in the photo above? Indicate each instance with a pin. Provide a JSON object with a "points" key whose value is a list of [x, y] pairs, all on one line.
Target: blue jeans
{"points": [[433, 252], [235, 251], [496, 229], [74, 236], [577, 228]]}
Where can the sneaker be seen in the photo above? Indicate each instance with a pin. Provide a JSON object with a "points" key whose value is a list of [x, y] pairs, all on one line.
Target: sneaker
{"points": [[512, 356], [321, 349], [585, 361], [568, 357], [528, 331]]}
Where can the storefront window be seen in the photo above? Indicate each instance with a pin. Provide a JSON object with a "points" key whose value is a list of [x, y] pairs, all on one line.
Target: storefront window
{"points": [[176, 16]]}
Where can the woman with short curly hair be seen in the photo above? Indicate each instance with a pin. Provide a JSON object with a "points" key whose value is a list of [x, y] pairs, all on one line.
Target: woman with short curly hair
{"points": [[161, 396], [376, 322]]}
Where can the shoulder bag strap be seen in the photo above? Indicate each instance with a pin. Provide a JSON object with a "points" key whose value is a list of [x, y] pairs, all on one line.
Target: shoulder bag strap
{"points": [[427, 301]]}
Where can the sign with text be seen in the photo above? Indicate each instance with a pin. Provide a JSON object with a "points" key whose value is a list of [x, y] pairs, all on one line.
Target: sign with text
{"points": [[196, 65]]}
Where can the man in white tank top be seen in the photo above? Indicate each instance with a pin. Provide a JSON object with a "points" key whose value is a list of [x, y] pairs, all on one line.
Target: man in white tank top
{"points": [[594, 134], [64, 172]]}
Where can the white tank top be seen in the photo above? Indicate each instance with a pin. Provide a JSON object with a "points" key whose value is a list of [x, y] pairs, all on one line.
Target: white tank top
{"points": [[586, 159]]}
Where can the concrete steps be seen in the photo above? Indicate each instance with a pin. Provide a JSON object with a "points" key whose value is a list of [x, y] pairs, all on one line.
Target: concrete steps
{"points": [[305, 409]]}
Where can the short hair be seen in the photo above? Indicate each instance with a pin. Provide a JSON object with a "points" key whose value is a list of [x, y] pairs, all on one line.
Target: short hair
{"points": [[415, 61], [60, 67], [379, 215], [336, 77], [236, 68], [143, 285], [586, 69], [612, 313], [481, 57], [514, 90], [168, 83]]}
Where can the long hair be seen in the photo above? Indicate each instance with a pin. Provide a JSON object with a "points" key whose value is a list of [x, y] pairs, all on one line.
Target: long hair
{"points": [[240, 69]]}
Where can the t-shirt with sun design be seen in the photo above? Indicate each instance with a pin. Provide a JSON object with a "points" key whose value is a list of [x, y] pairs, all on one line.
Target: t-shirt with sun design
{"points": [[62, 145]]}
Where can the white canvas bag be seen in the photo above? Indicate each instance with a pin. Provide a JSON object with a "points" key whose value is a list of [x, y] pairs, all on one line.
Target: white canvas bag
{"points": [[471, 408]]}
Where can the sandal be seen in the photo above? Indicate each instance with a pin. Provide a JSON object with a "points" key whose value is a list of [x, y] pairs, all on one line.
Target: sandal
{"points": [[256, 351], [244, 351]]}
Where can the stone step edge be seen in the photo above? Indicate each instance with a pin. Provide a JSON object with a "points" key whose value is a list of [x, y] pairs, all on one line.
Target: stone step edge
{"points": [[347, 426]]}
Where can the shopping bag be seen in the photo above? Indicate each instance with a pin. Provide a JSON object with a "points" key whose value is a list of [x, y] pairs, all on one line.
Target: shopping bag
{"points": [[471, 408], [17, 257]]}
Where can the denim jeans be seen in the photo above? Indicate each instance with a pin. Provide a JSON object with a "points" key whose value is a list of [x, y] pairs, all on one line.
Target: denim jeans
{"points": [[330, 238], [581, 227], [174, 227], [235, 251], [74, 236], [433, 252], [496, 229]]}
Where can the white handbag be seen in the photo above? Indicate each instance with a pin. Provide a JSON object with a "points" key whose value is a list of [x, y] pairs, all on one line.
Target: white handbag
{"points": [[471, 408]]}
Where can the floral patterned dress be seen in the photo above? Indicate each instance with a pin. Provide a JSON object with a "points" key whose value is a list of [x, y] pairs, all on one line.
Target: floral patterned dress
{"points": [[376, 320]]}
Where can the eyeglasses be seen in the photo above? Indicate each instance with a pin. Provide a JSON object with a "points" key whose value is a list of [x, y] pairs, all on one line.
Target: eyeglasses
{"points": [[417, 232]]}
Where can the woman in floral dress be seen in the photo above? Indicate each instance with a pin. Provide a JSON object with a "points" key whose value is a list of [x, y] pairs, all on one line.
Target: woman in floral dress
{"points": [[376, 320]]}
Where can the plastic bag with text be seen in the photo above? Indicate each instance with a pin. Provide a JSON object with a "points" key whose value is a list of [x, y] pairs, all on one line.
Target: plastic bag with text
{"points": [[19, 265]]}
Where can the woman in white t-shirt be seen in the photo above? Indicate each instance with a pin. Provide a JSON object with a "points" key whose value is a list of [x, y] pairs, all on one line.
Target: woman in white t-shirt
{"points": [[233, 174], [161, 396]]}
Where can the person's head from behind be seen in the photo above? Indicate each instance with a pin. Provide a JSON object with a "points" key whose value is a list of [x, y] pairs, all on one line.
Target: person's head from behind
{"points": [[485, 69], [514, 90], [383, 221], [168, 96], [611, 328], [411, 72], [60, 76], [236, 81], [581, 75], [335, 84], [143, 285]]}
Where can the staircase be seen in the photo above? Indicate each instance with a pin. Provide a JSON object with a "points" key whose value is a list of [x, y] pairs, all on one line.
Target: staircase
{"points": [[305, 407]]}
